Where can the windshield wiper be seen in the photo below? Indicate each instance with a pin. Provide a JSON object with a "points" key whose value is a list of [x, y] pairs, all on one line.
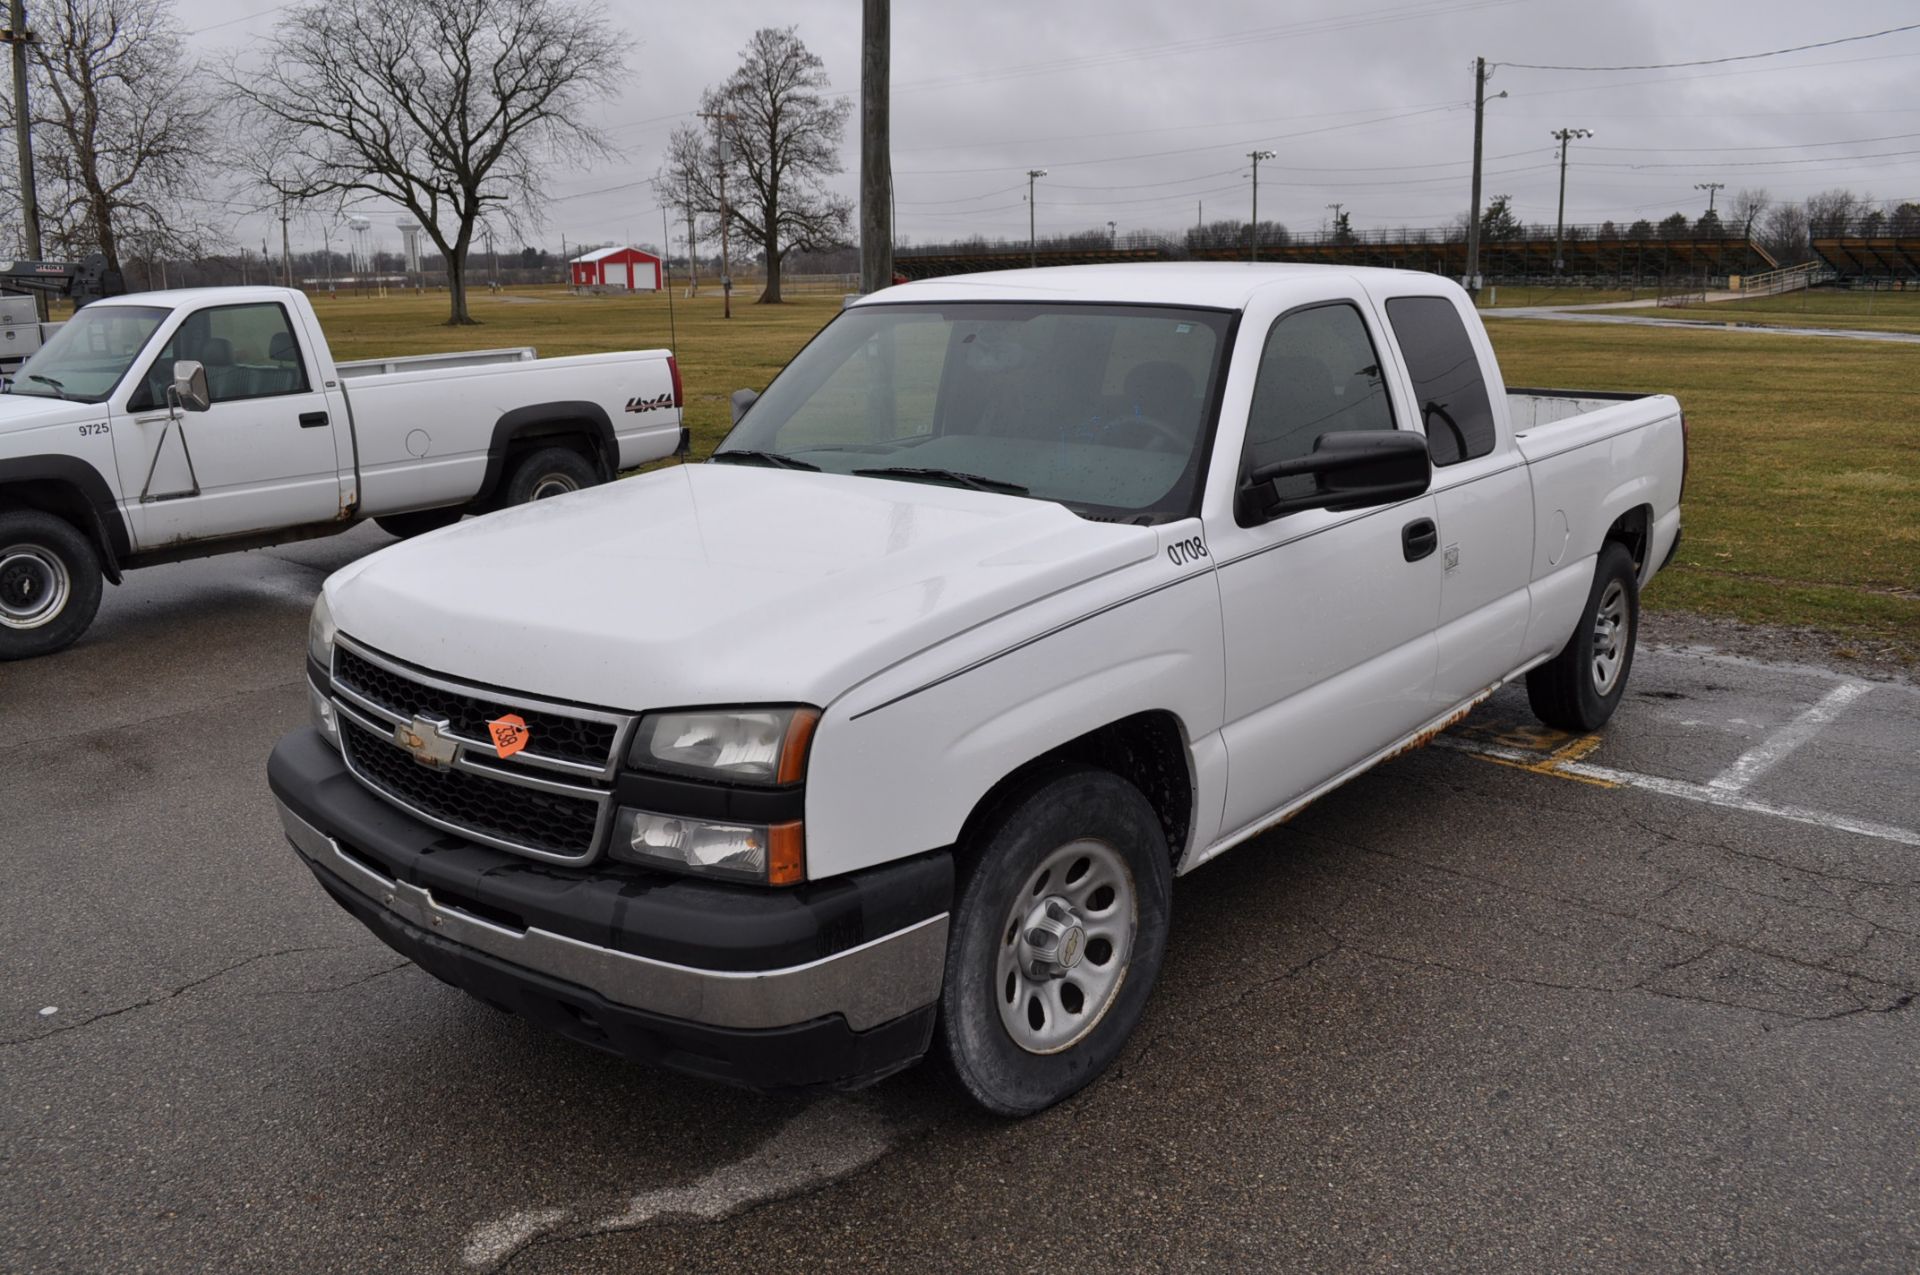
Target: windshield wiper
{"points": [[745, 456], [58, 388], [979, 482]]}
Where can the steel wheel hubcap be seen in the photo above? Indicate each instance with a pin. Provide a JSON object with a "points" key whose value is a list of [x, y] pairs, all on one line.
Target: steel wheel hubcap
{"points": [[33, 586], [1065, 945], [1611, 632], [553, 485]]}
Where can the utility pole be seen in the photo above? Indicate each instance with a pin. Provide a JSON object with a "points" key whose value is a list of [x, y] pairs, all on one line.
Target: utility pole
{"points": [[693, 265], [1033, 258], [1253, 230], [1560, 223], [286, 247], [725, 154], [1712, 189], [17, 35], [1481, 74], [876, 160], [1112, 236]]}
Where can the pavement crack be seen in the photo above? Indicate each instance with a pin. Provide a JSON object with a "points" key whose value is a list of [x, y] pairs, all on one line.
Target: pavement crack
{"points": [[158, 998]]}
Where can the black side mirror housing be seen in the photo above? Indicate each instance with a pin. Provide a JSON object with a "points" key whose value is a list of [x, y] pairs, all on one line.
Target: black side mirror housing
{"points": [[740, 401], [1354, 469]]}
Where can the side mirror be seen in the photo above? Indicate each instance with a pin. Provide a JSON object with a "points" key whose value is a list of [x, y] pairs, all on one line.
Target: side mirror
{"points": [[741, 401], [190, 386], [1355, 469]]}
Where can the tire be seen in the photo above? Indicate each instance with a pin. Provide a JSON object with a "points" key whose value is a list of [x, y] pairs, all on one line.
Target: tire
{"points": [[1052, 846], [1579, 688], [551, 471], [49, 584], [418, 523]]}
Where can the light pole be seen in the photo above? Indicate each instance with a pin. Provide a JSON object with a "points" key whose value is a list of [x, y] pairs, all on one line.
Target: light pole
{"points": [[1481, 74], [1560, 223], [1033, 257], [1111, 238], [1712, 189], [1253, 230]]}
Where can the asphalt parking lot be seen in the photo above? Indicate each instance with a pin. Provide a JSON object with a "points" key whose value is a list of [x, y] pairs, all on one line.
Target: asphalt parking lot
{"points": [[1520, 1001]]}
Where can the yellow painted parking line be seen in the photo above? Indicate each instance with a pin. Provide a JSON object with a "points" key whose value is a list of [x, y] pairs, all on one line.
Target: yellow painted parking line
{"points": [[1576, 749]]}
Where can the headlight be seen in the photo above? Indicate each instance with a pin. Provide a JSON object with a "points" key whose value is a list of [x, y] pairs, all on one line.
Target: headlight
{"points": [[758, 853], [763, 746], [320, 633], [326, 719]]}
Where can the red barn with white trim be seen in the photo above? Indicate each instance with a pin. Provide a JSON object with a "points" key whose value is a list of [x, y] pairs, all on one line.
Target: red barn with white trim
{"points": [[619, 269]]}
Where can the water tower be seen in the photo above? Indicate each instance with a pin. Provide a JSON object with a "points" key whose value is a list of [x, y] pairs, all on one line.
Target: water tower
{"points": [[362, 253], [410, 232]]}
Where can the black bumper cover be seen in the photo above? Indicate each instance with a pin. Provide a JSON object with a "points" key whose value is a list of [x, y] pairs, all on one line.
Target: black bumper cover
{"points": [[701, 924]]}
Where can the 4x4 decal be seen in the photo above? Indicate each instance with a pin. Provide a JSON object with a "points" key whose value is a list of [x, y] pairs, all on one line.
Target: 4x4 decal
{"points": [[649, 404]]}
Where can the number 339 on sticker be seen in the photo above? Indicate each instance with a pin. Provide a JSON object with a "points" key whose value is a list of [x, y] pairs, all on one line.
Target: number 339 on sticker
{"points": [[509, 733]]}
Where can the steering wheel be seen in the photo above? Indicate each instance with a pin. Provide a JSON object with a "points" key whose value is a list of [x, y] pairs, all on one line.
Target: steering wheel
{"points": [[1157, 431]]}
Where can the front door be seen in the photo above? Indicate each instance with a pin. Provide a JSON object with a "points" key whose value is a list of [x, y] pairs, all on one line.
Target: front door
{"points": [[263, 456], [1329, 616]]}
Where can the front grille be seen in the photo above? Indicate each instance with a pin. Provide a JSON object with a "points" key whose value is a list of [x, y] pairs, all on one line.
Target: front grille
{"points": [[551, 800], [498, 810], [549, 734]]}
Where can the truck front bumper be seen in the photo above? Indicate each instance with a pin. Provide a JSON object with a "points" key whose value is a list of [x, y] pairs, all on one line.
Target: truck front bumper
{"points": [[833, 982]]}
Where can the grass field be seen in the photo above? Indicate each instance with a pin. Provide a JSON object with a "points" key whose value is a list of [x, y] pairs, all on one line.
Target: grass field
{"points": [[1508, 296], [1814, 307], [1803, 505]]}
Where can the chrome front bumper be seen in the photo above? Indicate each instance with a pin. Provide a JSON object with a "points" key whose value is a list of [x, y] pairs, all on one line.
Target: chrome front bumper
{"points": [[868, 985]]}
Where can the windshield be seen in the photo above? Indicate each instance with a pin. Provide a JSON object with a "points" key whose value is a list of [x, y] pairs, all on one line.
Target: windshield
{"points": [[90, 353], [1104, 409]]}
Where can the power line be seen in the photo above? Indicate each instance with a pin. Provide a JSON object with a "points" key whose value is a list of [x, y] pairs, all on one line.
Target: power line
{"points": [[1738, 57], [1730, 150], [1199, 44], [245, 17]]}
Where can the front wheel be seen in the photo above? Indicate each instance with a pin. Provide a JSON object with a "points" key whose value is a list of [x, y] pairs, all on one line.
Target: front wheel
{"points": [[50, 584], [551, 471], [1056, 939], [1579, 688]]}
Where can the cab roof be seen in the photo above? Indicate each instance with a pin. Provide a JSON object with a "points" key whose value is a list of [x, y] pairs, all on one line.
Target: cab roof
{"points": [[1223, 285]]}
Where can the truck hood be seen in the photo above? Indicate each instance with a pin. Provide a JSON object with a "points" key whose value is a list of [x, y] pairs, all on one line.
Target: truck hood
{"points": [[22, 412], [712, 584]]}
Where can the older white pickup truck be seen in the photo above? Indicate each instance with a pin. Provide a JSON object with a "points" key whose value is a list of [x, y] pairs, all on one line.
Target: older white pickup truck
{"points": [[170, 425], [1012, 598]]}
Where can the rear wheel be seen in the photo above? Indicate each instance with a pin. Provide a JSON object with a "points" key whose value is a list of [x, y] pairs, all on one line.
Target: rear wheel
{"points": [[50, 584], [1056, 939], [1580, 687], [551, 471], [417, 523]]}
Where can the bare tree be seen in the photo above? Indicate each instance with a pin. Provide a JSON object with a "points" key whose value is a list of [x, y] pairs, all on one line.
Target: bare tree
{"points": [[449, 108], [1830, 211], [1784, 234], [121, 129], [1745, 207], [783, 136]]}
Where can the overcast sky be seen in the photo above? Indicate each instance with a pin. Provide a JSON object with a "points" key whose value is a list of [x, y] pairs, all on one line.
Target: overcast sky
{"points": [[1143, 110]]}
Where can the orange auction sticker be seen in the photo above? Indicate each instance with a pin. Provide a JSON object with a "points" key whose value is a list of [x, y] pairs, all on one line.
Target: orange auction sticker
{"points": [[509, 734]]}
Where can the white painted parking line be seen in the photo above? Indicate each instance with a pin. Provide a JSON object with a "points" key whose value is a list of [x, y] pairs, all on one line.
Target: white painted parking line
{"points": [[1703, 793], [1775, 749]]}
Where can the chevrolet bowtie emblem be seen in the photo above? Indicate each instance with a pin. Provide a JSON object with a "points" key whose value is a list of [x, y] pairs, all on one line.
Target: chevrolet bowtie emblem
{"points": [[426, 740]]}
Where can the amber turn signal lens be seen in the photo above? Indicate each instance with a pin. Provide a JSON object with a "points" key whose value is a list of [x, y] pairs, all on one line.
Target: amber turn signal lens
{"points": [[793, 750], [786, 854]]}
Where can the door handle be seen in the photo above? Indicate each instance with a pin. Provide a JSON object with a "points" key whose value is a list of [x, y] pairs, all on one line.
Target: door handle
{"points": [[312, 420], [1419, 538]]}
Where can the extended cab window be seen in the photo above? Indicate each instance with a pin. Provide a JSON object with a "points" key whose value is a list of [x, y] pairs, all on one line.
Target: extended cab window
{"points": [[1446, 377], [1318, 375], [248, 350]]}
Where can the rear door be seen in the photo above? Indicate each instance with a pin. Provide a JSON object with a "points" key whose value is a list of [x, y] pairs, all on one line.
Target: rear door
{"points": [[1329, 616], [265, 454], [1481, 488]]}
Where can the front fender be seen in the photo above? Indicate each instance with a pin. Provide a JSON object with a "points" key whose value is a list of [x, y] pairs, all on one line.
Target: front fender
{"points": [[900, 762]]}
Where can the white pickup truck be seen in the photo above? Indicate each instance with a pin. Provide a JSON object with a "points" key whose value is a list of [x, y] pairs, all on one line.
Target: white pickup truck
{"points": [[170, 425], [1013, 597]]}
